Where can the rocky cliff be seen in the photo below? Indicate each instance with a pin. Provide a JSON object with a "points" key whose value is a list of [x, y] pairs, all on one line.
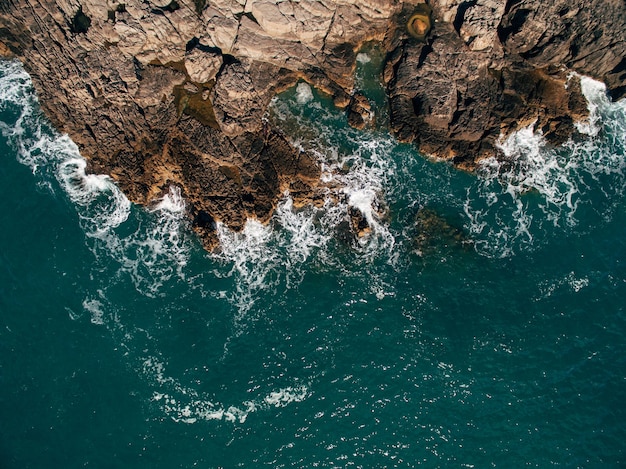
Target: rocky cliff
{"points": [[490, 67], [162, 92]]}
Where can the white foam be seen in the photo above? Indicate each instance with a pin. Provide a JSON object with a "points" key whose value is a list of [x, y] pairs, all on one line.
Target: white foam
{"points": [[260, 255], [250, 260], [172, 202], [186, 405], [363, 58], [595, 93], [16, 89], [286, 396], [95, 309], [54, 155], [559, 176], [577, 284], [364, 185], [301, 236], [103, 206], [152, 254], [571, 281], [158, 250], [355, 178], [304, 94]]}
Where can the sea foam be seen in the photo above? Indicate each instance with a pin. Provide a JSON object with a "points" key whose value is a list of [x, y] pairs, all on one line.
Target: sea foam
{"points": [[262, 257], [154, 252], [536, 184], [186, 405]]}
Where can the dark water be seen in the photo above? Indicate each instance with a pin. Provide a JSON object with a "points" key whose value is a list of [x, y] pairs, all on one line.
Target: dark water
{"points": [[480, 323]]}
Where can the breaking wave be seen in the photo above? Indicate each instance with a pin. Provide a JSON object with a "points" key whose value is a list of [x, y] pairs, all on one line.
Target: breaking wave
{"points": [[153, 252], [507, 207], [103, 207], [355, 171], [536, 184]]}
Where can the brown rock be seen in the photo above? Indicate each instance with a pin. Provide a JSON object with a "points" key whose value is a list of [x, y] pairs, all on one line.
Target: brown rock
{"points": [[456, 96], [358, 223], [5, 51], [202, 65], [359, 111], [157, 93], [160, 93]]}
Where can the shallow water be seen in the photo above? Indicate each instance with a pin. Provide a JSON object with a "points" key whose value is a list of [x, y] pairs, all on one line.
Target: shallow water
{"points": [[496, 340]]}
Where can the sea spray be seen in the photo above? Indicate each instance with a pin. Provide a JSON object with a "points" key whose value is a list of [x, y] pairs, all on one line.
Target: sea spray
{"points": [[536, 184], [260, 258], [186, 405], [246, 255], [148, 251], [354, 169], [151, 254], [103, 207], [149, 247]]}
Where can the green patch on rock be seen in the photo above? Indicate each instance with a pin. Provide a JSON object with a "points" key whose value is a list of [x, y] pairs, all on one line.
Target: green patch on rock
{"points": [[196, 104], [420, 22]]}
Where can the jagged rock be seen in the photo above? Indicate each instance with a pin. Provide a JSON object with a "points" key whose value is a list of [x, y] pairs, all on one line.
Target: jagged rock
{"points": [[493, 67], [174, 92], [588, 37], [358, 222], [202, 66], [164, 92], [359, 111], [478, 21]]}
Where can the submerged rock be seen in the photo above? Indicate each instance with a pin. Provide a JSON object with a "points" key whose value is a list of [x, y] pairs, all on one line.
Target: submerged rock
{"points": [[435, 231]]}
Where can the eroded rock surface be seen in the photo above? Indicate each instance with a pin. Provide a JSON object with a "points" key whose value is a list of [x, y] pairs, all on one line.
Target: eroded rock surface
{"points": [[163, 92], [490, 67]]}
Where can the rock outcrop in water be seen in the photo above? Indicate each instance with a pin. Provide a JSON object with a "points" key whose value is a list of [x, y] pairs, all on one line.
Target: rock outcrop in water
{"points": [[491, 67], [162, 92], [168, 92]]}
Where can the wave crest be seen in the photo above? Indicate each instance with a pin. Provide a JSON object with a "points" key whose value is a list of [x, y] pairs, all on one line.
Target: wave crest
{"points": [[537, 184]]}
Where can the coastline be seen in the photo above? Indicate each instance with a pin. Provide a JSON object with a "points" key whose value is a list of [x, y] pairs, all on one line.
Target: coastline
{"points": [[160, 95]]}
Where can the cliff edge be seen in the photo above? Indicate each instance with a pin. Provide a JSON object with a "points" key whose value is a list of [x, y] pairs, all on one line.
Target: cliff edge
{"points": [[163, 92]]}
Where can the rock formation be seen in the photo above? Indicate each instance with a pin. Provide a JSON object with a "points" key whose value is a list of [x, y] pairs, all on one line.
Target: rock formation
{"points": [[158, 92], [491, 67], [162, 92]]}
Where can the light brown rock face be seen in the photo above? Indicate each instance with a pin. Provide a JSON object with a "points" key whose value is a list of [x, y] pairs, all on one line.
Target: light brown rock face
{"points": [[159, 92]]}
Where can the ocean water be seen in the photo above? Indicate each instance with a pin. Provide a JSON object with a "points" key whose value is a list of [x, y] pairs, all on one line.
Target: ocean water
{"points": [[479, 323]]}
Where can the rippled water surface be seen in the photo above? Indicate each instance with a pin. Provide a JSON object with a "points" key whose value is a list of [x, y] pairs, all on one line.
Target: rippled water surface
{"points": [[480, 322]]}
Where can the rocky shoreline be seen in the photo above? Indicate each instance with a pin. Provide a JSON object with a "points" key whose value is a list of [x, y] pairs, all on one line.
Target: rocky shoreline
{"points": [[174, 92]]}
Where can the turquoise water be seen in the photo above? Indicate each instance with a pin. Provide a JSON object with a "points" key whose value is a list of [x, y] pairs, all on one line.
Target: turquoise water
{"points": [[495, 340]]}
